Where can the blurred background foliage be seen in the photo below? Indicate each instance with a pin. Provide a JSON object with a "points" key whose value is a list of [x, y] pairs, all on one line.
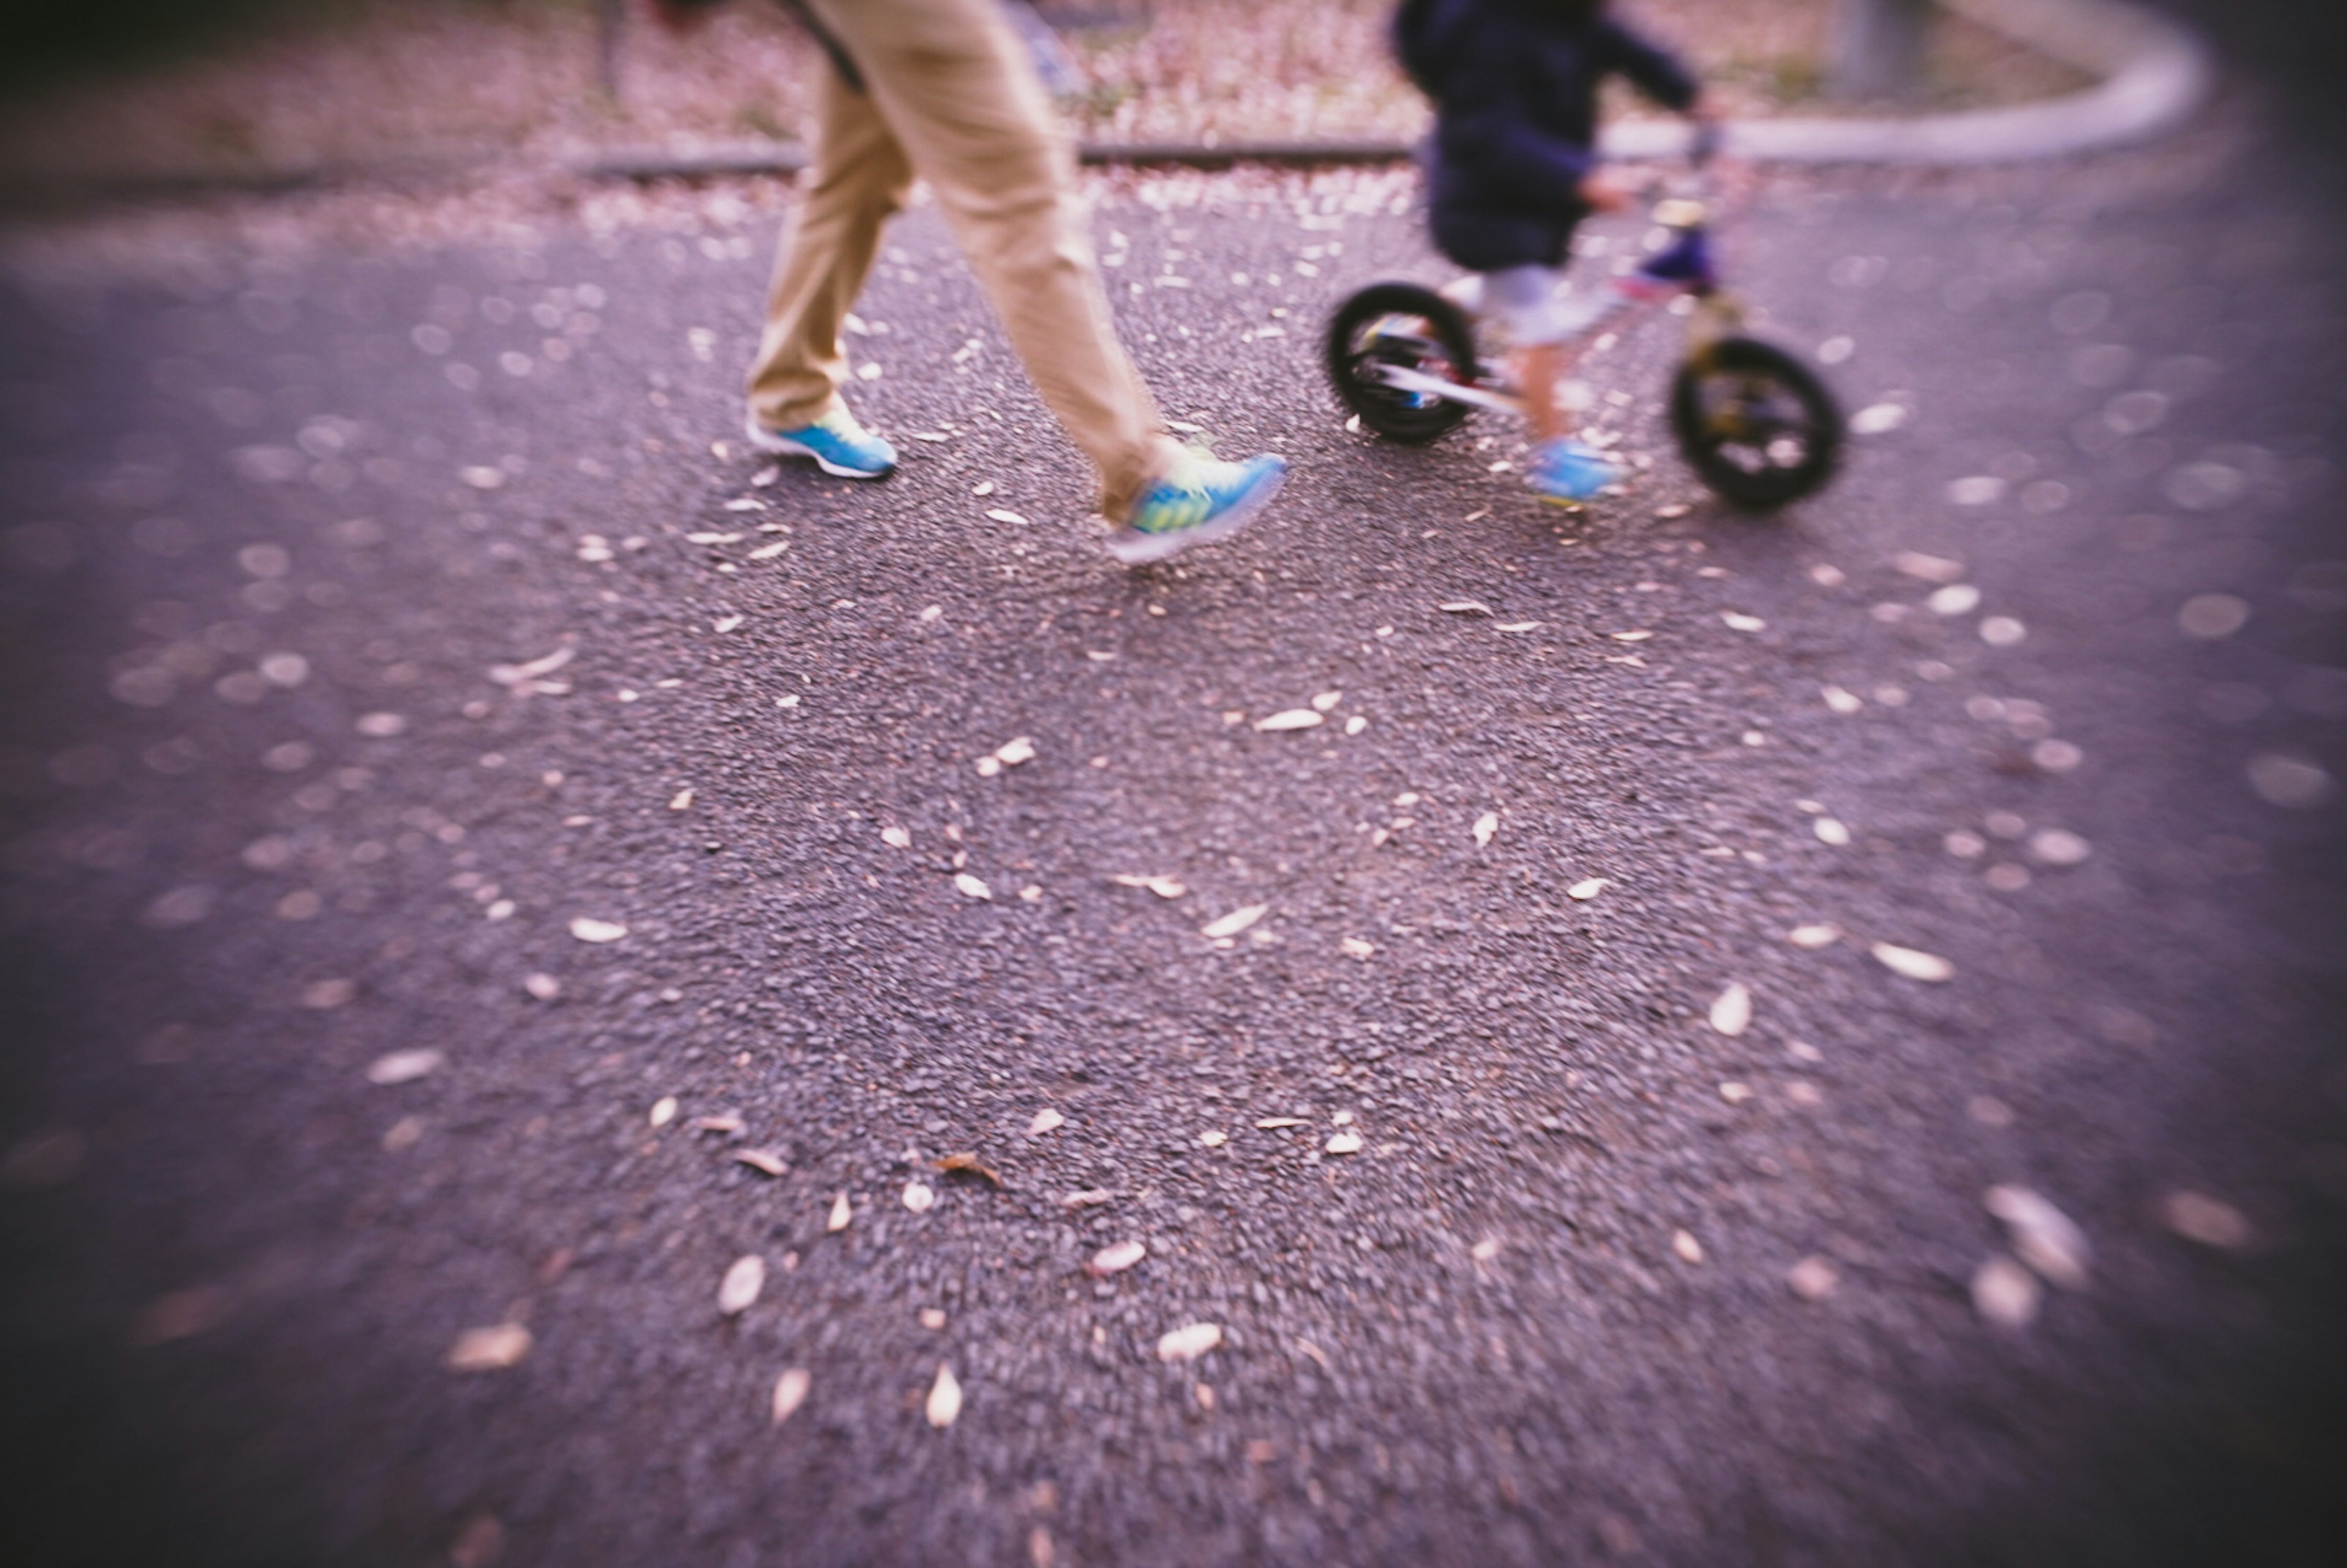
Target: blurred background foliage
{"points": [[105, 89]]}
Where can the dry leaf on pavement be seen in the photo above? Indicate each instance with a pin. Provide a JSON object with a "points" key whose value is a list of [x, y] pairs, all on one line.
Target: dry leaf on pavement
{"points": [[2006, 1294], [1116, 1259], [1930, 569], [515, 674], [1189, 1342], [1913, 963], [742, 1284], [488, 1349], [2198, 1218], [1293, 718], [790, 1393], [1164, 886], [968, 1165], [2045, 1238], [404, 1066], [1813, 1279], [1231, 924], [944, 1399]]}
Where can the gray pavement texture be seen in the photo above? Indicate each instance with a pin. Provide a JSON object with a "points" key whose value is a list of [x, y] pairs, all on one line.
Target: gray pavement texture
{"points": [[273, 817]]}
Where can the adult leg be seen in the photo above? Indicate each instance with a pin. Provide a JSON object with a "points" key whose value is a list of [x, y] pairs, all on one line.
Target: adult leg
{"points": [[959, 94], [860, 177]]}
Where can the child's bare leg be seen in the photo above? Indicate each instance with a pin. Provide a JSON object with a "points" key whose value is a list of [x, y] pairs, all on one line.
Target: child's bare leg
{"points": [[1543, 366]]}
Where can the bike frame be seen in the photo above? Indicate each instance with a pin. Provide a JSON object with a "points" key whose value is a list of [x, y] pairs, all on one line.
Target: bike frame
{"points": [[1684, 268]]}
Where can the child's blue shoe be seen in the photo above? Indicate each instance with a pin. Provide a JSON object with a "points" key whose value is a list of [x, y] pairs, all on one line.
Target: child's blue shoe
{"points": [[836, 442], [1568, 471], [1201, 500]]}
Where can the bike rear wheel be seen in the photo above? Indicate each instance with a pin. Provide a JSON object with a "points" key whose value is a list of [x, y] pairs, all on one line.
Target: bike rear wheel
{"points": [[1756, 424], [1406, 325]]}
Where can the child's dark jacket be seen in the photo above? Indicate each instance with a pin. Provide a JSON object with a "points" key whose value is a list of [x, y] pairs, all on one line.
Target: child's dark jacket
{"points": [[1515, 84]]}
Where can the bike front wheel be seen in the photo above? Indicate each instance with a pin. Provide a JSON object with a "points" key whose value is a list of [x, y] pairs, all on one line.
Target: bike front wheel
{"points": [[1411, 327], [1756, 424]]}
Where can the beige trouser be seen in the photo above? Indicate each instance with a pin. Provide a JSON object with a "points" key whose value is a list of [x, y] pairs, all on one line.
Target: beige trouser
{"points": [[952, 95]]}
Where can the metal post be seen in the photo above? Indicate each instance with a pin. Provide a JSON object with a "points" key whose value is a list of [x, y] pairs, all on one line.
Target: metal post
{"points": [[1879, 47], [612, 19]]}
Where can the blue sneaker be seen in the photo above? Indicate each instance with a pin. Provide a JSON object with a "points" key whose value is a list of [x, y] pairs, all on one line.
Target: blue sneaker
{"points": [[836, 442], [1201, 500], [1567, 471]]}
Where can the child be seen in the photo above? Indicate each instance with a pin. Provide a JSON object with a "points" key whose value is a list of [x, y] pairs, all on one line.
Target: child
{"points": [[1514, 170]]}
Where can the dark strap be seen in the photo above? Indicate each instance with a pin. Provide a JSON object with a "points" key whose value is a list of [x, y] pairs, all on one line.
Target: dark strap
{"points": [[840, 60]]}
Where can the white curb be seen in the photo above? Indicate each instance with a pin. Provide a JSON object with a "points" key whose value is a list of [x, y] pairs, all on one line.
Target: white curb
{"points": [[2155, 73]]}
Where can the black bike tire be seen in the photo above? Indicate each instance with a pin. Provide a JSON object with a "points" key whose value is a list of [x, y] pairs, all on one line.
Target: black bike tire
{"points": [[1774, 487], [1414, 427]]}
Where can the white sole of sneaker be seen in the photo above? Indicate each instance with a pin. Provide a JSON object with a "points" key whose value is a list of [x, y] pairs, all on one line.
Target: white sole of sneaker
{"points": [[1132, 548], [766, 441]]}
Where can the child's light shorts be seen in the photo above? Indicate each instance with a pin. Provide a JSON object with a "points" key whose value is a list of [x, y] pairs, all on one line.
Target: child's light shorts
{"points": [[1524, 299]]}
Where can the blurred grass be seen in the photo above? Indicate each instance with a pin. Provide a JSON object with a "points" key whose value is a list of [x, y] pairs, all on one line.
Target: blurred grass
{"points": [[141, 88]]}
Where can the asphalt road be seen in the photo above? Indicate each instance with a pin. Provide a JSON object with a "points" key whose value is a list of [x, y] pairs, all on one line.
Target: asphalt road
{"points": [[277, 814]]}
